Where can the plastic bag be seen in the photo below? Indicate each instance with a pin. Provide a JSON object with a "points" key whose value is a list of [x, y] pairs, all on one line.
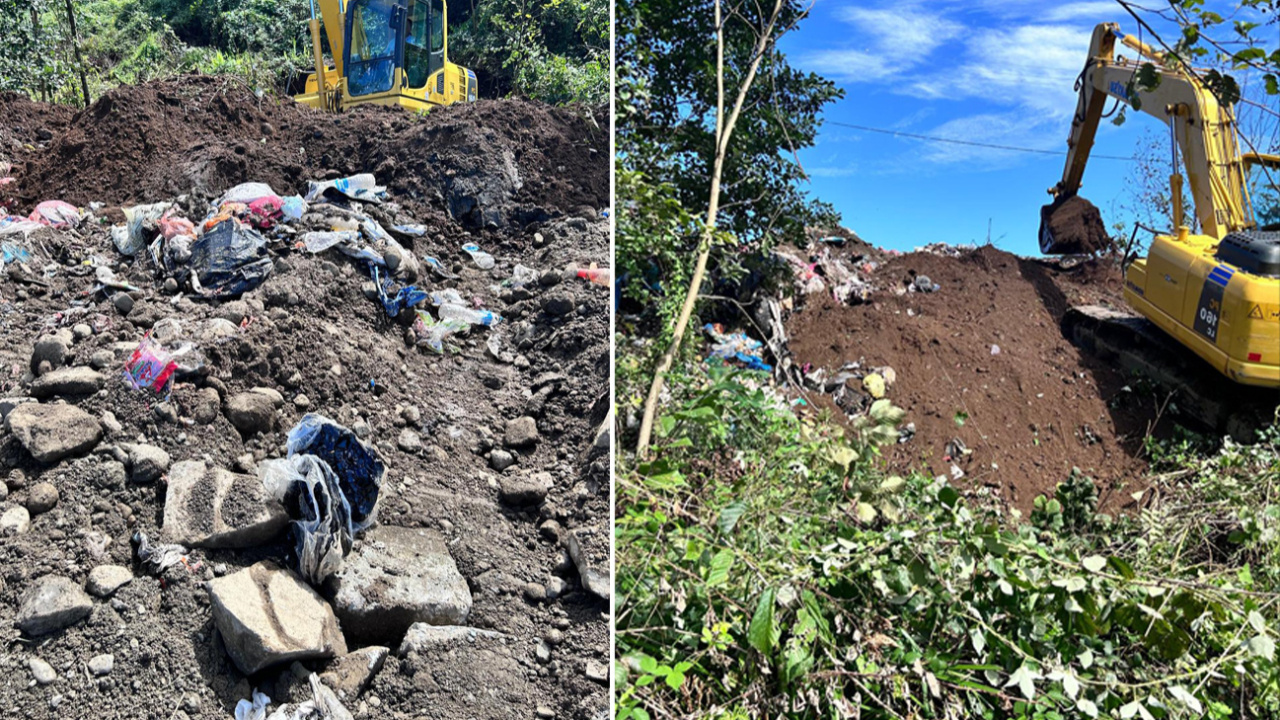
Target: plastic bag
{"points": [[228, 260], [56, 213], [361, 187], [158, 558], [323, 705], [13, 252], [294, 207], [438, 269], [483, 260], [329, 486], [246, 193], [150, 366], [432, 333], [254, 709], [130, 238], [172, 226], [316, 242], [405, 297], [521, 276], [266, 211], [14, 225]]}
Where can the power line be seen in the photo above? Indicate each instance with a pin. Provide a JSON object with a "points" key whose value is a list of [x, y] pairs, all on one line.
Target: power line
{"points": [[971, 143]]}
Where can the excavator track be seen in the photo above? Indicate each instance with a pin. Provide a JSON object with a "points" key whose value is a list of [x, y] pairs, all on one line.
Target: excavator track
{"points": [[1201, 395]]}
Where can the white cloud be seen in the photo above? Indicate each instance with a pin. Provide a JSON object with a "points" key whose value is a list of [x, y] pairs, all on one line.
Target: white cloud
{"points": [[1095, 11], [889, 42], [831, 172]]}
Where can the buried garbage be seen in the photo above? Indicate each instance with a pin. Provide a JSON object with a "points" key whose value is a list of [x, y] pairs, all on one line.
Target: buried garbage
{"points": [[329, 486]]}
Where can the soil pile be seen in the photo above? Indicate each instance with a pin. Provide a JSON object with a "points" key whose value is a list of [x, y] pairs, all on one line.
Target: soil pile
{"points": [[492, 445], [1076, 226], [982, 360]]}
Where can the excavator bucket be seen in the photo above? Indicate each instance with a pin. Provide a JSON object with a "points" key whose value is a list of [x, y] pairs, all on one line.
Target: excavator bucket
{"points": [[1071, 225]]}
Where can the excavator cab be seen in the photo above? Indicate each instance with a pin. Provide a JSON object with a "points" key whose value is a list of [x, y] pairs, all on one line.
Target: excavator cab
{"points": [[387, 52]]}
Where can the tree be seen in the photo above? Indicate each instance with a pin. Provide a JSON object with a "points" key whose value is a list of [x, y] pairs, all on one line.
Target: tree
{"points": [[714, 112]]}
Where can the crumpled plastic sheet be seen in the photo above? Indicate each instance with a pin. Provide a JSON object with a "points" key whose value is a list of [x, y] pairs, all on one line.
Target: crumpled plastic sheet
{"points": [[402, 299], [56, 213], [362, 187], [13, 252], [323, 705], [737, 347], [158, 558], [131, 237], [329, 485], [246, 193], [431, 333], [228, 260]]}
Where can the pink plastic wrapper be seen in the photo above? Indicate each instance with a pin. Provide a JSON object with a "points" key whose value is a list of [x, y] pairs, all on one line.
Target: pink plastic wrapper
{"points": [[56, 213], [150, 366], [172, 226], [266, 211]]}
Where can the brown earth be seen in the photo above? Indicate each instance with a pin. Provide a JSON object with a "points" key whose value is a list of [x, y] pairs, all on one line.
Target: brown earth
{"points": [[1030, 412], [311, 331], [1076, 226]]}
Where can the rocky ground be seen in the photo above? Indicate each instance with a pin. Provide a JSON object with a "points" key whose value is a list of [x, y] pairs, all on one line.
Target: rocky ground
{"points": [[481, 590]]}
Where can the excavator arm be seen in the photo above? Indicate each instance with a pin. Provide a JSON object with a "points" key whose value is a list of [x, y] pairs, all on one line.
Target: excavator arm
{"points": [[1205, 133]]}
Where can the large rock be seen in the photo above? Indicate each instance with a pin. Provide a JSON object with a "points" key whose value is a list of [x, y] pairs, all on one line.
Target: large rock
{"points": [[267, 616], [68, 381], [350, 674], [251, 412], [53, 432], [16, 520], [106, 579], [8, 404], [216, 508], [474, 673], [52, 603], [52, 349], [395, 578], [525, 489], [589, 549]]}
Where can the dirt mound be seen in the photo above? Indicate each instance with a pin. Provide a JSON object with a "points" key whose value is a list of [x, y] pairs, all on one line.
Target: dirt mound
{"points": [[487, 164], [1030, 410], [1076, 226], [311, 333]]}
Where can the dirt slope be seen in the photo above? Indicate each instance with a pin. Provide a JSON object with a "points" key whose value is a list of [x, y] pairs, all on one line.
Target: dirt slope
{"points": [[1030, 412]]}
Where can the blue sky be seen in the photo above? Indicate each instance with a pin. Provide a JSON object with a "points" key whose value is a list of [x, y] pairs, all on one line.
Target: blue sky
{"points": [[993, 71]]}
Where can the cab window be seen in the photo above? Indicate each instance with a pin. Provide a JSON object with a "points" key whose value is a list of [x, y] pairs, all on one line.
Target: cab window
{"points": [[424, 41], [371, 46]]}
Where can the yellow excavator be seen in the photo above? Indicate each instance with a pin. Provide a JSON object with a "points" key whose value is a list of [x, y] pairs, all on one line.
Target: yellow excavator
{"points": [[385, 52], [1215, 291]]}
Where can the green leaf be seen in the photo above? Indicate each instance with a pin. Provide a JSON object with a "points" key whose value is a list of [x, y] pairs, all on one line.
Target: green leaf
{"points": [[675, 679], [1087, 707], [1263, 646], [1186, 698], [979, 640], [721, 563], [866, 513], [648, 664], [762, 634], [730, 516], [948, 495], [1258, 622], [1025, 678]]}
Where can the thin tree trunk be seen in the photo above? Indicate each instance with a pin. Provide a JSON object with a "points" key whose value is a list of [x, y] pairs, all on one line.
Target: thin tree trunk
{"points": [[75, 45], [723, 131], [35, 33]]}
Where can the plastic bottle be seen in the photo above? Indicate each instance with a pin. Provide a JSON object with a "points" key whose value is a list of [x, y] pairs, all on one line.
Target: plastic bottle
{"points": [[599, 276], [448, 295], [453, 311], [483, 260]]}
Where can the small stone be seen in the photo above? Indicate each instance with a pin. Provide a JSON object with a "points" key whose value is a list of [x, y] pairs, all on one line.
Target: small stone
{"points": [[205, 405], [101, 359], [302, 402], [542, 653], [501, 460], [50, 348], [519, 490], [147, 462], [411, 414], [534, 592], [123, 303], [42, 498], [82, 331], [251, 412], [42, 671], [110, 423], [549, 278], [554, 636], [352, 672], [102, 664], [549, 530], [597, 671], [104, 580], [545, 712], [521, 432], [589, 548], [15, 521], [52, 603], [409, 441], [170, 286], [555, 587], [559, 303]]}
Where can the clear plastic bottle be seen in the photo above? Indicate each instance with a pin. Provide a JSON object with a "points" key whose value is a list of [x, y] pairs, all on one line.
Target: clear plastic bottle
{"points": [[448, 295], [453, 311], [483, 260]]}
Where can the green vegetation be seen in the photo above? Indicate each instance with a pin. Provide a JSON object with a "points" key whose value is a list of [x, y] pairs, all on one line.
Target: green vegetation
{"points": [[556, 52]]}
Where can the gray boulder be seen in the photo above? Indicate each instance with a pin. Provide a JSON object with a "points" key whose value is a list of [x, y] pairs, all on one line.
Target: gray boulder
{"points": [[68, 381], [53, 432], [52, 603], [216, 508]]}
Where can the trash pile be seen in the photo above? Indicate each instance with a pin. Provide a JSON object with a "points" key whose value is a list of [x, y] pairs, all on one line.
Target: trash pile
{"points": [[296, 433]]}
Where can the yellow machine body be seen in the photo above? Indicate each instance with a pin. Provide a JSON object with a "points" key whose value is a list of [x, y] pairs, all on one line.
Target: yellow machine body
{"points": [[386, 52], [1216, 291]]}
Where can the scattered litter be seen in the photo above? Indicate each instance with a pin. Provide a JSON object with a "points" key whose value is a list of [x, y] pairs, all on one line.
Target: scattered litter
{"points": [[521, 276], [874, 384], [402, 299], [254, 709], [13, 252], [323, 705], [131, 237], [438, 269], [460, 313], [150, 366], [923, 284], [294, 207], [410, 230], [172, 226], [228, 260], [432, 333], [995, 349], [360, 187], [158, 558], [329, 485], [906, 434], [107, 278], [736, 346], [448, 295], [483, 260], [246, 193], [317, 242], [56, 213], [598, 276]]}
